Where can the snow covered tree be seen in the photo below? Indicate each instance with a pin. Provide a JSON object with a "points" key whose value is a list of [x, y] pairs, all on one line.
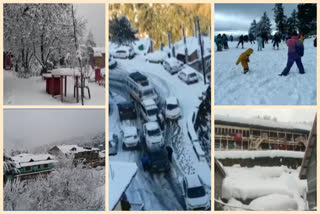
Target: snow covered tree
{"points": [[307, 16], [90, 40], [264, 25], [253, 28], [292, 22], [280, 18], [121, 31]]}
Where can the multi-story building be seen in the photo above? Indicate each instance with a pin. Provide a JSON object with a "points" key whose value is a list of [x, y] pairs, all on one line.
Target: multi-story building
{"points": [[233, 133]]}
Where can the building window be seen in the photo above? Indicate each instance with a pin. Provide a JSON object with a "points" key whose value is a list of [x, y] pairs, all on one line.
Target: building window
{"points": [[46, 166], [39, 166], [28, 168]]}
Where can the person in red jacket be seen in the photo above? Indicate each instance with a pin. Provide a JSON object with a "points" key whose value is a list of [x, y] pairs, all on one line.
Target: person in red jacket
{"points": [[295, 52]]}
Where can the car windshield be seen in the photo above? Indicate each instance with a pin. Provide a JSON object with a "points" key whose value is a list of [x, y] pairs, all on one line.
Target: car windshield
{"points": [[154, 132], [144, 83], [196, 192], [130, 136], [192, 75], [148, 93], [172, 106], [152, 112]]}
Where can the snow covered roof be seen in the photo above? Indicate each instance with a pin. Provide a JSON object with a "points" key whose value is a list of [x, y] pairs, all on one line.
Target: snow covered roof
{"points": [[65, 71], [152, 125], [120, 176], [102, 154], [188, 70], [193, 180], [257, 154], [129, 130], [173, 62], [193, 45], [98, 51], [23, 160], [71, 149], [221, 119], [148, 102], [172, 100], [157, 55]]}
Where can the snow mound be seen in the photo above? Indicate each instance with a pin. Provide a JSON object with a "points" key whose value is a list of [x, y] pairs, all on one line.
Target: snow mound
{"points": [[274, 202], [257, 154]]}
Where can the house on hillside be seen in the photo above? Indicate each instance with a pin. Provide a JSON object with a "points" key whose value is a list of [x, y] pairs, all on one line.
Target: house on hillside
{"points": [[219, 175], [80, 153], [121, 178], [233, 133], [309, 167], [31, 165]]}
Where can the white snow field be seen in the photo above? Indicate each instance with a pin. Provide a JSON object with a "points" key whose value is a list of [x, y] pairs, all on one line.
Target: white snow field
{"points": [[32, 91], [271, 188], [262, 85], [159, 191]]}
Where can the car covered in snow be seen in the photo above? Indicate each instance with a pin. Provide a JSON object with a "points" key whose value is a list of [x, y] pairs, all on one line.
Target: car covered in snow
{"points": [[157, 56], [172, 65], [158, 160], [172, 108], [123, 52], [130, 137], [112, 62], [153, 136], [188, 75], [127, 111], [194, 193], [113, 144], [149, 110]]}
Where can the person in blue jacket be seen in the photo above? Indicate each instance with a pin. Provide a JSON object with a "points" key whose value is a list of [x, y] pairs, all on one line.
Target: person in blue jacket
{"points": [[295, 52], [145, 162]]}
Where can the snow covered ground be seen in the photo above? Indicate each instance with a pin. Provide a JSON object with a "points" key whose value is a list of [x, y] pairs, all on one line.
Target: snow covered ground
{"points": [[159, 191], [262, 85], [264, 186], [32, 91]]}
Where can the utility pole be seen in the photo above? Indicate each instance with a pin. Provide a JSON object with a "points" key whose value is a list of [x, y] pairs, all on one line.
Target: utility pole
{"points": [[201, 50]]}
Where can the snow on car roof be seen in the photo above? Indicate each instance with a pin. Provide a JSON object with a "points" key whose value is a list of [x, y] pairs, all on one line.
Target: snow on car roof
{"points": [[25, 159], [172, 100], [193, 180], [152, 125], [263, 123], [129, 130], [120, 176], [67, 149], [148, 102], [157, 55], [188, 70], [173, 61]]}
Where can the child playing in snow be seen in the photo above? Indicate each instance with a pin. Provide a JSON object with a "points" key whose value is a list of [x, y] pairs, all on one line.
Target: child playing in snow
{"points": [[244, 59]]}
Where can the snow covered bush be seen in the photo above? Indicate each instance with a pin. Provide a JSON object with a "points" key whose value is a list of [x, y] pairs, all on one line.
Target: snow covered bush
{"points": [[66, 188]]}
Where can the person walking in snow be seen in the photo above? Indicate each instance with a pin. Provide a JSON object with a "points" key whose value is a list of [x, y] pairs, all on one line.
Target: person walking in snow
{"points": [[231, 38], [259, 42], [218, 42], [145, 162], [295, 52], [240, 41], [225, 41], [276, 40], [315, 42], [251, 38], [170, 151], [244, 60]]}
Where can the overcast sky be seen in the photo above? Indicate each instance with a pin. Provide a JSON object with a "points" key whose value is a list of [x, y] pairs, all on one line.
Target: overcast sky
{"points": [[236, 18], [283, 115], [25, 128], [95, 16]]}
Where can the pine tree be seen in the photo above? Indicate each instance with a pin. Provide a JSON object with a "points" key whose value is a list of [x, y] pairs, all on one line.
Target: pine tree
{"points": [[253, 28], [307, 16], [90, 40], [292, 22], [264, 25], [280, 18], [121, 32]]}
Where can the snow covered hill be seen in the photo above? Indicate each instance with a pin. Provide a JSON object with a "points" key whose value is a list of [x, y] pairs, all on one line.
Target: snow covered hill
{"points": [[262, 85]]}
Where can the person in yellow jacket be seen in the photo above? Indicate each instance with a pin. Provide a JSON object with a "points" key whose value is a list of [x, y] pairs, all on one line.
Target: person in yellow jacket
{"points": [[301, 37], [244, 59]]}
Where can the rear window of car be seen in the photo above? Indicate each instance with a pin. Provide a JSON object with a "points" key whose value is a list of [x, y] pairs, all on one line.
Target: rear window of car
{"points": [[120, 51]]}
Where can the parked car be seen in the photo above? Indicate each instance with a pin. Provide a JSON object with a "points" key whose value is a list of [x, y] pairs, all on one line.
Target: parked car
{"points": [[124, 52], [130, 137], [149, 110], [194, 193], [153, 136], [188, 75], [172, 108], [113, 144], [158, 160], [112, 62], [157, 56], [127, 111], [172, 65]]}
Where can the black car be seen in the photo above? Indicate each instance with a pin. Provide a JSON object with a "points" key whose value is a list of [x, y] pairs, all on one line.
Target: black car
{"points": [[127, 111], [158, 160]]}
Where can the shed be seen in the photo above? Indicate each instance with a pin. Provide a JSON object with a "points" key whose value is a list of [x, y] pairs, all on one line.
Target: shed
{"points": [[219, 175], [309, 167]]}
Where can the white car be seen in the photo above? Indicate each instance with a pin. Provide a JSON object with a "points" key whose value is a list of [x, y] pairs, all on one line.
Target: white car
{"points": [[194, 193], [157, 56], [124, 52], [172, 65], [172, 109], [153, 135], [149, 110], [130, 137], [188, 75]]}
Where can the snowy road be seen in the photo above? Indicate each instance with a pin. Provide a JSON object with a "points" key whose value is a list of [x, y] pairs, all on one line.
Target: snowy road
{"points": [[262, 85]]}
